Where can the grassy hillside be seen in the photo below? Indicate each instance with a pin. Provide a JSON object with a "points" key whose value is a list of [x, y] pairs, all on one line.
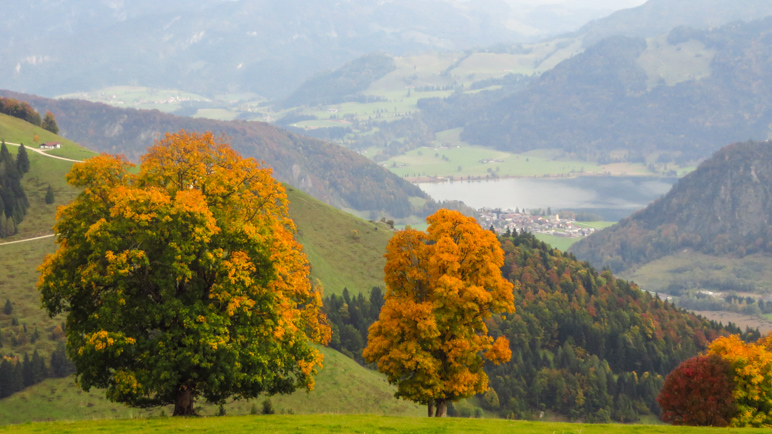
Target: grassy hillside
{"points": [[345, 251], [342, 386], [325, 423]]}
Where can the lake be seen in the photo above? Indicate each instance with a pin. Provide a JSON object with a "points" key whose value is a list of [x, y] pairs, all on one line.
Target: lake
{"points": [[611, 197]]}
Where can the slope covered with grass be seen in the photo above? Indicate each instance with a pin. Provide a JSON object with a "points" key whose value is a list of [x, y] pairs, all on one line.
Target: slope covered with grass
{"points": [[342, 386], [344, 252]]}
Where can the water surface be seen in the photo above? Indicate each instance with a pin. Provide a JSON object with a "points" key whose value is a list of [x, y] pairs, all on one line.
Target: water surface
{"points": [[612, 197]]}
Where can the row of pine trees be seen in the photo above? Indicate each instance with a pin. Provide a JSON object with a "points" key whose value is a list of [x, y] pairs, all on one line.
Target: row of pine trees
{"points": [[13, 199], [18, 373]]}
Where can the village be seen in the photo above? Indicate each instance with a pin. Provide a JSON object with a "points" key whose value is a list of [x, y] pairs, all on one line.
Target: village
{"points": [[503, 220]]}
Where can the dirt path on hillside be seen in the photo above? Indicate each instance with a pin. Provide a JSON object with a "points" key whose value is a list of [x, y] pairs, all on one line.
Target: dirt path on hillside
{"points": [[44, 153]]}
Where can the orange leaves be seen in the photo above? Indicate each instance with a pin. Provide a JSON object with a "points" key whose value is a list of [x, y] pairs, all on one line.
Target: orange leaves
{"points": [[430, 338], [752, 365]]}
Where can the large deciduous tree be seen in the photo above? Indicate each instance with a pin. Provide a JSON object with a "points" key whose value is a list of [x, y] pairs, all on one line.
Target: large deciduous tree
{"points": [[431, 339], [183, 280], [699, 392]]}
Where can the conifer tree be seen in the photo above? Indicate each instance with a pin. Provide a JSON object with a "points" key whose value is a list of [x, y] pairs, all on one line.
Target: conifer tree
{"points": [[50, 195], [39, 371], [6, 378], [4, 153], [26, 368], [22, 160]]}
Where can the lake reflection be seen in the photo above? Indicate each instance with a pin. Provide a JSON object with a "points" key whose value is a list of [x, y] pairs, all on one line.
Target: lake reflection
{"points": [[612, 197]]}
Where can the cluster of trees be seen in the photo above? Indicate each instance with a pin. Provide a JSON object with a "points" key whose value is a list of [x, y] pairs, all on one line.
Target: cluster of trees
{"points": [[350, 318], [17, 373], [698, 300], [24, 111], [13, 199], [731, 384], [586, 344]]}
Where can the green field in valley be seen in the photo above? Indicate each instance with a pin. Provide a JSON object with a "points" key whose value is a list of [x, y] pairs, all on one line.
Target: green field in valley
{"points": [[560, 243]]}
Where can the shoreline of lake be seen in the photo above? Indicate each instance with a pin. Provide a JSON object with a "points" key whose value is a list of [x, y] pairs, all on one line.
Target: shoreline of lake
{"points": [[612, 197]]}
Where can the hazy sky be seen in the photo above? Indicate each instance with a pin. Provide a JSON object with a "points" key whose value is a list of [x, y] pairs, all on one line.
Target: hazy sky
{"points": [[584, 4]]}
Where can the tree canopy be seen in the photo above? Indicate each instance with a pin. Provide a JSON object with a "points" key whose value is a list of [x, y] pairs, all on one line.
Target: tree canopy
{"points": [[49, 123], [183, 280], [441, 285]]}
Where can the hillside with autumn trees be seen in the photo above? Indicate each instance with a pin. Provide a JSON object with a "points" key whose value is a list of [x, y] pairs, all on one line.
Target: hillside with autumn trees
{"points": [[585, 344]]}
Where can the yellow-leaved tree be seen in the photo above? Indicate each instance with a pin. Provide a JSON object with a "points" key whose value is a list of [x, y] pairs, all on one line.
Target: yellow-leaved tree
{"points": [[183, 280], [752, 366], [441, 285]]}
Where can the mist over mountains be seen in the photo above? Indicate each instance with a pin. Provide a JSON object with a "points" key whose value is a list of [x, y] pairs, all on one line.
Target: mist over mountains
{"points": [[217, 46]]}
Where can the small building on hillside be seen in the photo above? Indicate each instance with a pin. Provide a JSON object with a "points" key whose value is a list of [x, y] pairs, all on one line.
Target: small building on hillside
{"points": [[51, 145]]}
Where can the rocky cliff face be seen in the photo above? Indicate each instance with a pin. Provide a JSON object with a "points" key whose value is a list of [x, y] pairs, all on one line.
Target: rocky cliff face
{"points": [[723, 207]]}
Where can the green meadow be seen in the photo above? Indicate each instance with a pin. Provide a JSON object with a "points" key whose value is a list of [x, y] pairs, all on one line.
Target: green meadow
{"points": [[342, 387], [338, 423]]}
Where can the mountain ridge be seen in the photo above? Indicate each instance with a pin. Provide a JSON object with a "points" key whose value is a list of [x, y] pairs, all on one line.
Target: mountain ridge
{"points": [[326, 171], [722, 208]]}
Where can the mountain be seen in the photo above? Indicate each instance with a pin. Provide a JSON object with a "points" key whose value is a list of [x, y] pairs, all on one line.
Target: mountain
{"points": [[682, 95], [326, 171], [333, 87], [656, 17], [722, 208], [213, 47]]}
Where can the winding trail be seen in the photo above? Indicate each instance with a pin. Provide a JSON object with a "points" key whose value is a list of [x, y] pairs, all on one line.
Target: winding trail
{"points": [[28, 239], [44, 153], [49, 156]]}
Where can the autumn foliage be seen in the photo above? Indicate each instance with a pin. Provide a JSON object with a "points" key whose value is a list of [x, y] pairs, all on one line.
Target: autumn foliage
{"points": [[431, 338], [183, 280], [692, 390], [699, 392]]}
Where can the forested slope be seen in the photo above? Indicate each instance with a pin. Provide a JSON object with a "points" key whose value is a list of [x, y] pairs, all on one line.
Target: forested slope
{"points": [[585, 344]]}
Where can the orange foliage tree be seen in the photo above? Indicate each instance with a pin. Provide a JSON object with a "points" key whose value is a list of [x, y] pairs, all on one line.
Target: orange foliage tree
{"points": [[184, 279], [441, 285], [752, 366]]}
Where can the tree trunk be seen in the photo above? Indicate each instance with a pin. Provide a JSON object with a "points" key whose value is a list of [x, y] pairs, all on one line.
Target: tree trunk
{"points": [[442, 408], [431, 408], [184, 403]]}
